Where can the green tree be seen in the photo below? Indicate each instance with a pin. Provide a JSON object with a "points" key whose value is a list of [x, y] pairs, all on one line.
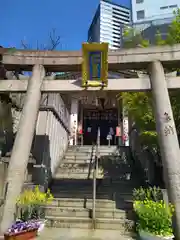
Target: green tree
{"points": [[9, 101], [174, 30], [139, 104], [142, 112]]}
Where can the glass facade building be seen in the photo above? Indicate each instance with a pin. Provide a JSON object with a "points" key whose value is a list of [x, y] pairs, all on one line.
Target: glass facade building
{"points": [[108, 22]]}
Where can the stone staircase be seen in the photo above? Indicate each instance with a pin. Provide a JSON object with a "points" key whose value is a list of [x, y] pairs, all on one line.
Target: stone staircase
{"points": [[72, 189], [76, 164]]}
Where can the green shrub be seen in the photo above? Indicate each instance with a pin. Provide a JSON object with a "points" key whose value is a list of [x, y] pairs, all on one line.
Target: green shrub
{"points": [[154, 217], [31, 202], [152, 193]]}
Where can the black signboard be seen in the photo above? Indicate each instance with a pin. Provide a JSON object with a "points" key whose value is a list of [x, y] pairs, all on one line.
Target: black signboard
{"points": [[109, 114]]}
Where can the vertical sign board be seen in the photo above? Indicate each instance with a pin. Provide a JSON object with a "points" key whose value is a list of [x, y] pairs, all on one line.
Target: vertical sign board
{"points": [[95, 64]]}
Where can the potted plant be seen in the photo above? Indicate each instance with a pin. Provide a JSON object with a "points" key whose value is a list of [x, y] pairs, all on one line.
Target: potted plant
{"points": [[154, 219], [22, 231], [30, 206], [150, 193]]}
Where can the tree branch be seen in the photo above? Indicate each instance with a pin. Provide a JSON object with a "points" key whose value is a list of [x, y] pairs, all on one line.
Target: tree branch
{"points": [[55, 40], [24, 44]]}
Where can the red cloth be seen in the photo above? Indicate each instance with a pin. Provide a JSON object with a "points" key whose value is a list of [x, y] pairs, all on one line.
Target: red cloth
{"points": [[124, 137], [118, 131], [80, 131]]}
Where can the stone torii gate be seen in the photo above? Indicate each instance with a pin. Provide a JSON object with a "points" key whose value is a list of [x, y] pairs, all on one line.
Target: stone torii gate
{"points": [[153, 59]]}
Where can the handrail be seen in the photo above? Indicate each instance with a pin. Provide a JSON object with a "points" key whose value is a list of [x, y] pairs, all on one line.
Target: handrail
{"points": [[91, 161], [95, 173]]}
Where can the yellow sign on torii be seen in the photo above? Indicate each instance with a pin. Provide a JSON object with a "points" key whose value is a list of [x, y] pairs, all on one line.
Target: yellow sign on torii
{"points": [[95, 64]]}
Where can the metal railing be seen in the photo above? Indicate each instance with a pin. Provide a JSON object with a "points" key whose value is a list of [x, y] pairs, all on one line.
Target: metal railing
{"points": [[91, 161], [95, 173]]}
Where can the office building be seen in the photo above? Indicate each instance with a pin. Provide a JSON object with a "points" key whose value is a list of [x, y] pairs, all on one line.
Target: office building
{"points": [[148, 10], [149, 17], [108, 23]]}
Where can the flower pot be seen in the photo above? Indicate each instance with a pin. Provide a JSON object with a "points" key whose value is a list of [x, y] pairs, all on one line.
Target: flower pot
{"points": [[42, 225], [148, 236], [23, 235]]}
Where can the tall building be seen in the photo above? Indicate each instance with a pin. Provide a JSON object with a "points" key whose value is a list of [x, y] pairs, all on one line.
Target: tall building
{"points": [[149, 17], [108, 23], [148, 10]]}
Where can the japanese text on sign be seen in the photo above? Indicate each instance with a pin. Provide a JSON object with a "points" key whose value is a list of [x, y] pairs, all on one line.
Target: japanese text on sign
{"points": [[94, 65], [168, 130]]}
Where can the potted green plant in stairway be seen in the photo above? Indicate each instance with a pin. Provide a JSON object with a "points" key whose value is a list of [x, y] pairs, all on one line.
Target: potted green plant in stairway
{"points": [[154, 219], [31, 204]]}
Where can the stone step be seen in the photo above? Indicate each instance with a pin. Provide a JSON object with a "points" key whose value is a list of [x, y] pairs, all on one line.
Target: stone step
{"points": [[117, 171], [84, 161], [120, 203], [76, 176], [100, 195], [82, 203], [87, 213], [123, 190], [119, 193], [73, 188], [73, 164], [77, 170], [86, 223], [127, 188], [89, 154], [81, 195], [80, 155], [71, 155], [72, 183], [130, 184], [85, 147], [107, 182], [78, 191]]}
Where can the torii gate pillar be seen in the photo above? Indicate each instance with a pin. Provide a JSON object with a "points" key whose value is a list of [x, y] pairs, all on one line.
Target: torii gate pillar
{"points": [[168, 140], [22, 146]]}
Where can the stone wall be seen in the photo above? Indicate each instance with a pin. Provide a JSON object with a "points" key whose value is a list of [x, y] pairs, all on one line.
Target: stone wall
{"points": [[51, 135]]}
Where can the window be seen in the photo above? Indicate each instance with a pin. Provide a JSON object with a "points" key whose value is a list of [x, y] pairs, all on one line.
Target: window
{"points": [[164, 7], [173, 6], [116, 25], [119, 15], [114, 41], [116, 29], [139, 1], [140, 14], [116, 46], [121, 11], [115, 32], [115, 37]]}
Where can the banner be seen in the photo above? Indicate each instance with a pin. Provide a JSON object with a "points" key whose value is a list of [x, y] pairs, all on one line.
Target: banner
{"points": [[95, 64], [118, 131]]}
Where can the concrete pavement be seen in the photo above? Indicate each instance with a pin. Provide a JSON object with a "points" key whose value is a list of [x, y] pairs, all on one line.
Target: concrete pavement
{"points": [[80, 234]]}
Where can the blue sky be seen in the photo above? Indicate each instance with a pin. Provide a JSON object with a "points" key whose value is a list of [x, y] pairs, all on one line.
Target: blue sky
{"points": [[30, 20]]}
